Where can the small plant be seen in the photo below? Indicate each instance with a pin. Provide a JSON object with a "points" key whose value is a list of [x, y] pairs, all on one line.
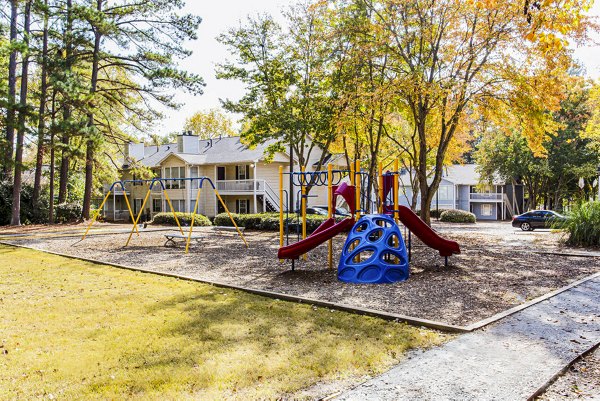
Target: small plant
{"points": [[185, 219], [582, 225], [436, 213], [457, 216], [67, 212]]}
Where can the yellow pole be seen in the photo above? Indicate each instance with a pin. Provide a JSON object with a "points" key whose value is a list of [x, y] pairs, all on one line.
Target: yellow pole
{"points": [[130, 211], [352, 182], [381, 200], [330, 210], [172, 211], [189, 238], [281, 208], [396, 177], [357, 184], [95, 215], [138, 217], [231, 217], [303, 205]]}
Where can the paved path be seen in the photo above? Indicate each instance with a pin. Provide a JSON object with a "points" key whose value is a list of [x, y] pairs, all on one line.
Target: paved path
{"points": [[506, 361]]}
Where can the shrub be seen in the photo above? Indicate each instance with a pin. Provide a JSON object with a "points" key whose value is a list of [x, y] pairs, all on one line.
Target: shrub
{"points": [[269, 221], [457, 216], [67, 212], [30, 213], [436, 213], [185, 219], [583, 225]]}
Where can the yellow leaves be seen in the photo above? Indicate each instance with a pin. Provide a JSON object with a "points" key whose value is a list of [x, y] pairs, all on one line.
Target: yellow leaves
{"points": [[592, 129]]}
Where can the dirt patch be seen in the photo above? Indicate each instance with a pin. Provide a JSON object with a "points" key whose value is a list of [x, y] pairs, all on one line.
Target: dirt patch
{"points": [[499, 268]]}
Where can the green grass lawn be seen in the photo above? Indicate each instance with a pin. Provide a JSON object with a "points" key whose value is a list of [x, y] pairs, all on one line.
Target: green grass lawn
{"points": [[76, 330]]}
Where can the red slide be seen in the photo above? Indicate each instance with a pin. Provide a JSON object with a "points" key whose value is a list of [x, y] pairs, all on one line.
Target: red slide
{"points": [[328, 229], [425, 233]]}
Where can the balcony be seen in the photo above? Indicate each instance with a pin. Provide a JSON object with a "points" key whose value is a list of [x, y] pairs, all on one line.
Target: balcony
{"points": [[485, 197], [240, 186], [117, 190]]}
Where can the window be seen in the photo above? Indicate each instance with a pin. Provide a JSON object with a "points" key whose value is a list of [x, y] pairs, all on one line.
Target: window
{"points": [[174, 172], [137, 205], [445, 192], [135, 178], [156, 172], [221, 173], [242, 172], [178, 205], [194, 174], [242, 206], [157, 205], [486, 209]]}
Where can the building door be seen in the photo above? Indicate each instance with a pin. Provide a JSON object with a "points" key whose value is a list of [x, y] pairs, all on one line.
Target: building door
{"points": [[220, 208], [220, 173]]}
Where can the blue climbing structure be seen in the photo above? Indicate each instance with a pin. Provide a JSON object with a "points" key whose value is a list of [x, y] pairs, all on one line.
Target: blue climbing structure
{"points": [[374, 252]]}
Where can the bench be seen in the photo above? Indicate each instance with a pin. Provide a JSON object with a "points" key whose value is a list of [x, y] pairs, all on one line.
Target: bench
{"points": [[227, 229], [172, 237]]}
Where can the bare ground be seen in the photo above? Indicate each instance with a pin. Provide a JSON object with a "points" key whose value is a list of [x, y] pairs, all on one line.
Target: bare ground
{"points": [[499, 267], [580, 382]]}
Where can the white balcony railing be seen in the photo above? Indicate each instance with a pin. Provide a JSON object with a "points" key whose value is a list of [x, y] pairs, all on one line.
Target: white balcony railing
{"points": [[247, 186], [485, 196], [117, 190]]}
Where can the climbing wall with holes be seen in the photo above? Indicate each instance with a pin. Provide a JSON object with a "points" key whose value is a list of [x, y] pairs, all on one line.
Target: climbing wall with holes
{"points": [[374, 252]]}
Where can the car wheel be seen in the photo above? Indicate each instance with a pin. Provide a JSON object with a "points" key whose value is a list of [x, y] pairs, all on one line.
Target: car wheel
{"points": [[526, 226]]}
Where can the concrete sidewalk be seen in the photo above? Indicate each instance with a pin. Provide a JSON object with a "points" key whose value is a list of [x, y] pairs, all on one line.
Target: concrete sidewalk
{"points": [[509, 360]]}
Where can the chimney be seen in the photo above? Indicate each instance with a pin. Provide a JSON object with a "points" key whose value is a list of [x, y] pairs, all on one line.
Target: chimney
{"points": [[188, 143], [134, 151]]}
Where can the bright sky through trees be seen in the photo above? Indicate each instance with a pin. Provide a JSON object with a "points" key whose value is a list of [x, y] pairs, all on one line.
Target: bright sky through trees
{"points": [[217, 16]]}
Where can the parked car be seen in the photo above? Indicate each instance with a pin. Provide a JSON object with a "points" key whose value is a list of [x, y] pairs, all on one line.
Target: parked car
{"points": [[314, 210], [339, 211], [536, 219]]}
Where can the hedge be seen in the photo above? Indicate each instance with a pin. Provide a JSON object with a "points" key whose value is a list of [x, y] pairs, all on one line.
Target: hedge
{"points": [[457, 216], [268, 221], [185, 219]]}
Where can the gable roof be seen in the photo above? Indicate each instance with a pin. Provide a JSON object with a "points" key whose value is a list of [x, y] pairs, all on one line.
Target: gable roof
{"points": [[218, 150]]}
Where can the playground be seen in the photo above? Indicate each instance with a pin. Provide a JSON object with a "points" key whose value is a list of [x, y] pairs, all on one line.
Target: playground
{"points": [[499, 267], [380, 260]]}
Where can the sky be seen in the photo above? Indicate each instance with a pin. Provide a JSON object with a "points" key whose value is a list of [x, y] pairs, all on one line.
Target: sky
{"points": [[219, 15]]}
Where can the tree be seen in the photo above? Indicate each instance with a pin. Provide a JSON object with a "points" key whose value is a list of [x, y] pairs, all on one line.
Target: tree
{"points": [[10, 100], [455, 57], [288, 99], [23, 112], [210, 124], [567, 156]]}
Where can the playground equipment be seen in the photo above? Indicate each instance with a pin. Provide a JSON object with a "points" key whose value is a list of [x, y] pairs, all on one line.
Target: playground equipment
{"points": [[388, 260], [161, 182], [374, 252], [329, 228]]}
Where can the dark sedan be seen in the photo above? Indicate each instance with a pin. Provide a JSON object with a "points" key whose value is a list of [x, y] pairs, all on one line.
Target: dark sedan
{"points": [[536, 219]]}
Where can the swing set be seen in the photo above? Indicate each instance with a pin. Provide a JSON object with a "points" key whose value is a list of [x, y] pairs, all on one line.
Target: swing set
{"points": [[161, 181]]}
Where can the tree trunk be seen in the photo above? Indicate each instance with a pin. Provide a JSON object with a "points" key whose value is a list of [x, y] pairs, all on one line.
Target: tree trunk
{"points": [[16, 198], [12, 84], [37, 182], [64, 160], [91, 143], [51, 183]]}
